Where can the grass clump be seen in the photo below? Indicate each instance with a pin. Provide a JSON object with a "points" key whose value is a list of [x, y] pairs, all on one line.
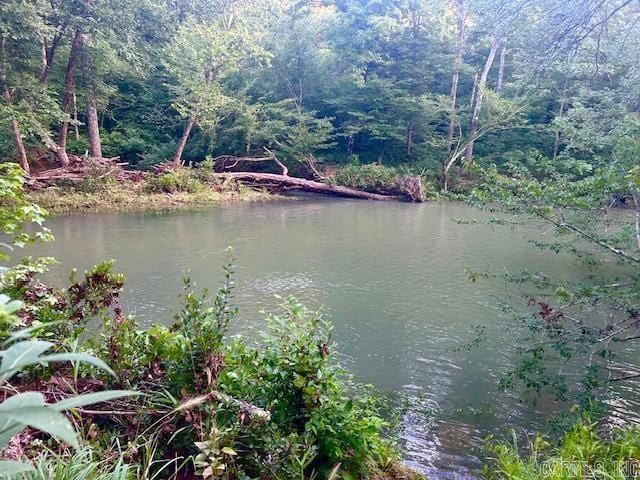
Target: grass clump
{"points": [[81, 465], [580, 454], [182, 180]]}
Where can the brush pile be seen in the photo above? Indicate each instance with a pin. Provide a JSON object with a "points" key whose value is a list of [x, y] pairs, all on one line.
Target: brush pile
{"points": [[80, 168]]}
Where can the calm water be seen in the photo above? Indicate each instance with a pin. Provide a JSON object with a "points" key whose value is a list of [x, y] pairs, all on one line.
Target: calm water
{"points": [[392, 279]]}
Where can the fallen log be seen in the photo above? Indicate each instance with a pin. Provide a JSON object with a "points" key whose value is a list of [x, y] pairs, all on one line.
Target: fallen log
{"points": [[286, 181]]}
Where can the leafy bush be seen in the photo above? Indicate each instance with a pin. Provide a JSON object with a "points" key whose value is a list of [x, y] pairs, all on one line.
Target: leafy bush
{"points": [[311, 400], [65, 311], [281, 408], [181, 180], [29, 408], [371, 178], [580, 454], [16, 212]]}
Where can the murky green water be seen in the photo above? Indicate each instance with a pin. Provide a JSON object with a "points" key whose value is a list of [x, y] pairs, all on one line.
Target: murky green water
{"points": [[392, 279]]}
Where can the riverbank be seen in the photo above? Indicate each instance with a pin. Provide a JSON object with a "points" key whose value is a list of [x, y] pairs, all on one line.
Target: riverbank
{"points": [[135, 196]]}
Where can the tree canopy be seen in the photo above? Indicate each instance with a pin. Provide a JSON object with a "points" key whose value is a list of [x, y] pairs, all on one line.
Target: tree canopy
{"points": [[426, 85]]}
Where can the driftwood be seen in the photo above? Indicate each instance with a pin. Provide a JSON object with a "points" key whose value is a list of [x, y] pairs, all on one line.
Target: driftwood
{"points": [[411, 187], [79, 168], [273, 181], [295, 183], [226, 162], [284, 182]]}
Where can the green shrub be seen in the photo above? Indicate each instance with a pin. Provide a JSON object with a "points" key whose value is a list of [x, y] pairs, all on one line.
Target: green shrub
{"points": [[280, 408], [580, 454], [181, 180], [371, 178], [318, 419]]}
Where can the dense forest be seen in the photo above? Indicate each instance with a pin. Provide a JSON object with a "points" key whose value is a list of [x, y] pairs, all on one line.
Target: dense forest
{"points": [[420, 85], [525, 113]]}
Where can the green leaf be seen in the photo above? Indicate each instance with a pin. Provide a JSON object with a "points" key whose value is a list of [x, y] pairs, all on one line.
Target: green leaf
{"points": [[91, 398], [76, 357], [42, 418], [8, 468], [8, 427], [26, 332], [25, 399], [8, 432], [20, 355], [229, 451]]}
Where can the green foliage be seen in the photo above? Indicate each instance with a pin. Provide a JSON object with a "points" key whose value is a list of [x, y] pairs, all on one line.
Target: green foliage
{"points": [[29, 409], [580, 453], [84, 464], [309, 397], [371, 177], [64, 312], [318, 83], [182, 180], [591, 208], [16, 212]]}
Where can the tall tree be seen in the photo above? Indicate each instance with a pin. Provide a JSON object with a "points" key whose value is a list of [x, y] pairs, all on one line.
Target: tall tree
{"points": [[201, 56], [69, 82], [455, 77], [479, 96], [8, 98]]}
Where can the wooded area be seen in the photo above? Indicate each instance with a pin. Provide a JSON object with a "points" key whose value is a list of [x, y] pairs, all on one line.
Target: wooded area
{"points": [[421, 86], [529, 111]]}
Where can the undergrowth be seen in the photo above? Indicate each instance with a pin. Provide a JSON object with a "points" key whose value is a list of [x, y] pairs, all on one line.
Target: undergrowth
{"points": [[139, 196], [214, 406], [582, 453]]}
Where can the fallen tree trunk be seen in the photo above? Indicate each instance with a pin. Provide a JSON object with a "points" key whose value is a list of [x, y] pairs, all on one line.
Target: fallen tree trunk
{"points": [[288, 182]]}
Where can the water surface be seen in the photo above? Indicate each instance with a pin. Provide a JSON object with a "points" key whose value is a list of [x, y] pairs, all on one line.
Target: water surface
{"points": [[390, 275]]}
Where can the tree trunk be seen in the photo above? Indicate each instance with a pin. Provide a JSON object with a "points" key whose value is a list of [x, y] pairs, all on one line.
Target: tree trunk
{"points": [[503, 57], [475, 119], [563, 101], [457, 63], [177, 157], [474, 90], [410, 129], [22, 153], [49, 53], [351, 143], [76, 130], [286, 181], [61, 152], [95, 145], [93, 126], [15, 127]]}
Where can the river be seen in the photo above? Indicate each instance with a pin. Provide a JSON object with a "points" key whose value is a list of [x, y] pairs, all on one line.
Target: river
{"points": [[391, 277]]}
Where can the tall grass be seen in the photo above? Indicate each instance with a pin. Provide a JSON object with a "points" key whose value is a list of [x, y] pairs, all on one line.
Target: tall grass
{"points": [[580, 454], [81, 465]]}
